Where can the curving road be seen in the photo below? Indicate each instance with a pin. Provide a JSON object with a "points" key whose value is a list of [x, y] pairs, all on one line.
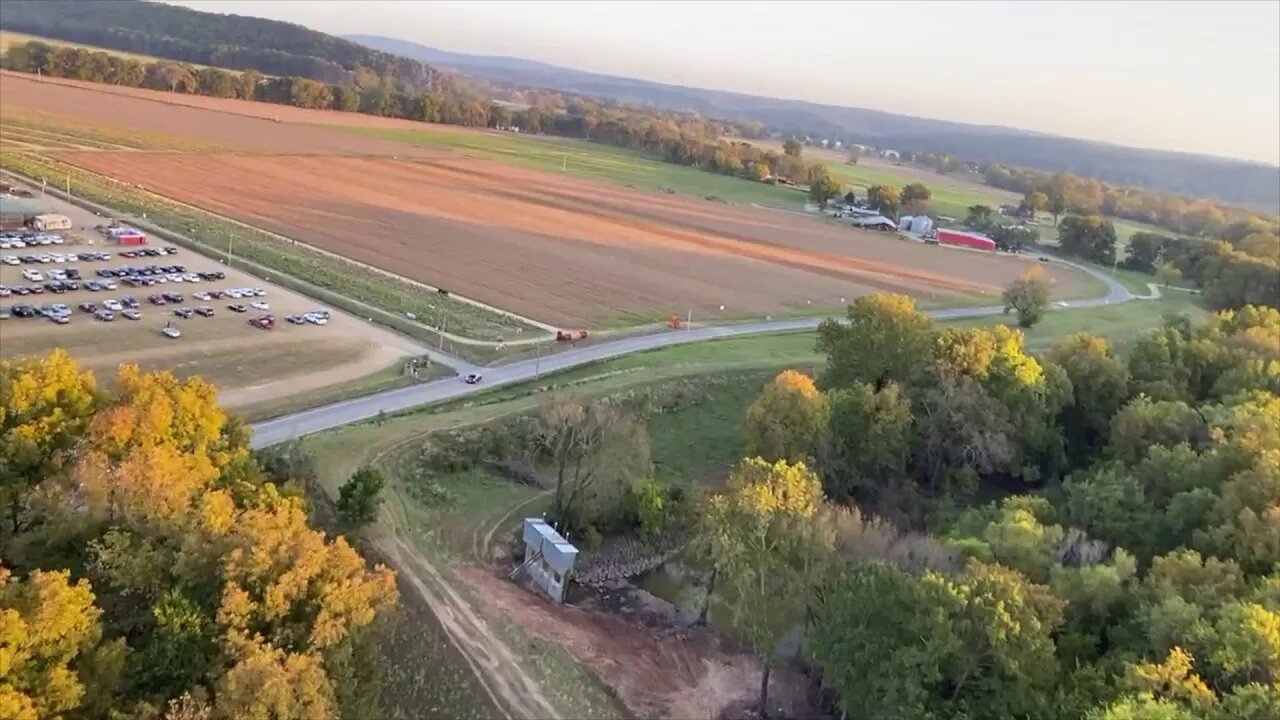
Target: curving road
{"points": [[307, 422]]}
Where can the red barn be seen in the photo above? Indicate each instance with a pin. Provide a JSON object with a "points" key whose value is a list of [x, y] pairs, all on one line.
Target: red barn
{"points": [[966, 239]]}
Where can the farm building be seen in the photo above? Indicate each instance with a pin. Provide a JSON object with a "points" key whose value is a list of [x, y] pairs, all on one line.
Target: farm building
{"points": [[966, 239], [16, 212], [918, 224], [50, 221], [874, 222], [548, 558]]}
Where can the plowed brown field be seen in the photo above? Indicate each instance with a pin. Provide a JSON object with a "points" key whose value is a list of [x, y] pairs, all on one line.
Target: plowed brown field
{"points": [[231, 124], [556, 249]]}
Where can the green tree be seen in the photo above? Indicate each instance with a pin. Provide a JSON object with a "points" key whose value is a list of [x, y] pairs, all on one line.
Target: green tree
{"points": [[823, 188], [1090, 237], [346, 98], [595, 451], [868, 445], [1167, 274], [215, 83], [1034, 202], [1028, 296], [787, 421], [793, 147], [914, 192], [247, 84], [886, 340], [1099, 387], [360, 497], [1143, 423], [979, 216], [882, 639], [884, 199], [766, 551]]}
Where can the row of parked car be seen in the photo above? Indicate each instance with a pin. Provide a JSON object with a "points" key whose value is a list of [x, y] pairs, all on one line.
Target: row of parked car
{"points": [[28, 238], [58, 258]]}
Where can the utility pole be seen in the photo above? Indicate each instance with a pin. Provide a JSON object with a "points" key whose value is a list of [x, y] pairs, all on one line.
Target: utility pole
{"points": [[688, 322], [444, 327], [68, 186], [537, 363], [231, 243]]}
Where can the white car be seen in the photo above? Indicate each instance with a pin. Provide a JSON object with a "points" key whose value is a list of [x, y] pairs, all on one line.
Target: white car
{"points": [[17, 244], [45, 258], [11, 260], [109, 284], [32, 275], [171, 332], [113, 305], [315, 319], [72, 257], [202, 296], [260, 305], [191, 277], [57, 239], [234, 293], [175, 277], [58, 257]]}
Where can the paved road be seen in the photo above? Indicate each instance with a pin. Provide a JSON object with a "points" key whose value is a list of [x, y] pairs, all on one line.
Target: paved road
{"points": [[326, 417]]}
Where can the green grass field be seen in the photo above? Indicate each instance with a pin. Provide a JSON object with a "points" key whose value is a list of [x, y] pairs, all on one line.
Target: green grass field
{"points": [[581, 159]]}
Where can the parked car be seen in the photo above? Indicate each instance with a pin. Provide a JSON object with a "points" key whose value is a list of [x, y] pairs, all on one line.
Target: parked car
{"points": [[171, 332], [296, 319], [88, 307], [173, 297], [315, 319], [184, 313], [59, 319], [113, 305], [105, 315], [237, 307], [265, 322], [204, 311], [131, 314], [259, 305], [157, 300]]}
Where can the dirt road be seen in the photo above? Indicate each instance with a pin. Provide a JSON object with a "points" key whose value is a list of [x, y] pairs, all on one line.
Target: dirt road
{"points": [[499, 669]]}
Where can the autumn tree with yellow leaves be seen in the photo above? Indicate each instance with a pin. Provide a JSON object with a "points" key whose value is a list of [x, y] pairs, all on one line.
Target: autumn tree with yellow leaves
{"points": [[787, 421], [767, 552], [199, 589]]}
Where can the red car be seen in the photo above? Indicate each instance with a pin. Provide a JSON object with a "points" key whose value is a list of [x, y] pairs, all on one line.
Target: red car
{"points": [[265, 322]]}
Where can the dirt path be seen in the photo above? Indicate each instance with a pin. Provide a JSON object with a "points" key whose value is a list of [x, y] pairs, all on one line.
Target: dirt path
{"points": [[498, 668]]}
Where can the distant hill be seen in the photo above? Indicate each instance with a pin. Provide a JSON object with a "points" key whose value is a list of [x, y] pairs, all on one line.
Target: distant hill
{"points": [[1235, 181], [229, 41]]}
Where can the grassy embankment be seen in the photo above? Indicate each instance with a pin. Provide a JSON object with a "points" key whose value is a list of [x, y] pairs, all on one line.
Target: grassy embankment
{"points": [[324, 277]]}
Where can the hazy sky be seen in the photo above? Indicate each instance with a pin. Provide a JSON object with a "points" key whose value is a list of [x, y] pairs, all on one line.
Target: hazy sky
{"points": [[1199, 77]]}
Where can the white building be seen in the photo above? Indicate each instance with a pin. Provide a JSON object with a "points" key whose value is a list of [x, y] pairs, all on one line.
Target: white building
{"points": [[548, 558]]}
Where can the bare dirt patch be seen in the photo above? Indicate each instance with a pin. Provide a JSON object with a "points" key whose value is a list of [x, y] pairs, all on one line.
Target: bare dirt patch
{"points": [[654, 674], [557, 249]]}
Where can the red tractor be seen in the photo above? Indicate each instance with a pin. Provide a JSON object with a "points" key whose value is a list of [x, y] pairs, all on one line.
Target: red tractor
{"points": [[571, 335]]}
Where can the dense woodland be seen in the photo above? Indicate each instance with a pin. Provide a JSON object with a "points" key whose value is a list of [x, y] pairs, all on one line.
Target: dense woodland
{"points": [[966, 530], [232, 41], [151, 566]]}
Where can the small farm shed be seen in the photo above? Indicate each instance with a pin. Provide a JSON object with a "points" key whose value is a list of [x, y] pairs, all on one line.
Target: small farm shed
{"points": [[50, 221], [548, 558]]}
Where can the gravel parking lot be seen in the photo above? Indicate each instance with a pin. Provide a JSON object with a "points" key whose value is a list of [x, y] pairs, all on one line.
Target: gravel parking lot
{"points": [[250, 364]]}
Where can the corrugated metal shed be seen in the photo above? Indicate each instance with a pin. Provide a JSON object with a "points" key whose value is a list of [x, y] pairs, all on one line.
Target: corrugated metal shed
{"points": [[559, 553]]}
